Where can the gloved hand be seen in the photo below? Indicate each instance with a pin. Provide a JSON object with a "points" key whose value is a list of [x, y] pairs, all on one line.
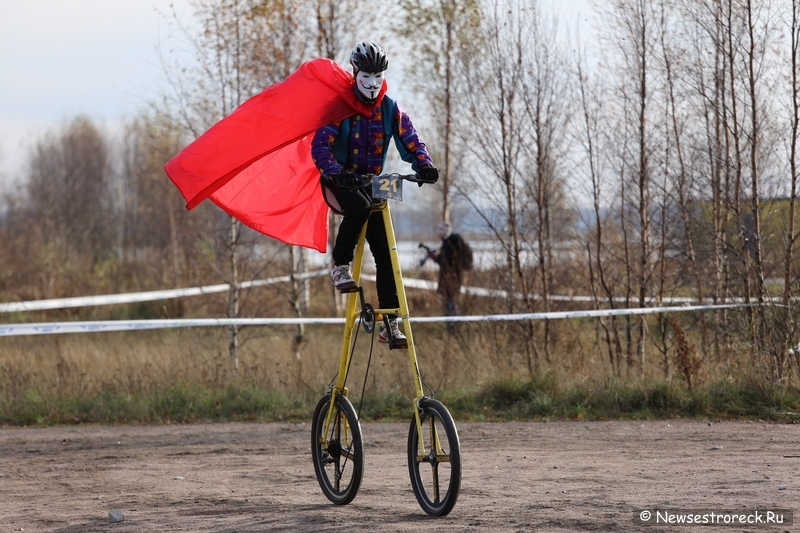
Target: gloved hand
{"points": [[428, 174], [345, 180]]}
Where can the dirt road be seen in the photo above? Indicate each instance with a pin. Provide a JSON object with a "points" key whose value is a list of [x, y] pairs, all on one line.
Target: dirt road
{"points": [[519, 477]]}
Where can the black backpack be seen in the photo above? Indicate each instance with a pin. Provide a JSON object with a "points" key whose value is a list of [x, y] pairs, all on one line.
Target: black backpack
{"points": [[463, 251]]}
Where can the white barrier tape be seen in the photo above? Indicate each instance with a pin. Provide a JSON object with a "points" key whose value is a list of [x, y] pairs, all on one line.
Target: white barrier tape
{"points": [[424, 284], [592, 313], [148, 296], [414, 283], [44, 328]]}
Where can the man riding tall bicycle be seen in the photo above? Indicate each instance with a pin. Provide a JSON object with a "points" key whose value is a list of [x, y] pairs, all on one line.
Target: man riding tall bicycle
{"points": [[347, 150]]}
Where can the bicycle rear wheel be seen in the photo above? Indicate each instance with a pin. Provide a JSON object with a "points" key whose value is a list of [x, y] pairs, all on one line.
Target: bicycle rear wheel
{"points": [[436, 470], [338, 454]]}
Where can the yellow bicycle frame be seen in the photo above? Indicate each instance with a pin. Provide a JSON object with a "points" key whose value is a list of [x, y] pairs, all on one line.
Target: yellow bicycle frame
{"points": [[352, 314]]}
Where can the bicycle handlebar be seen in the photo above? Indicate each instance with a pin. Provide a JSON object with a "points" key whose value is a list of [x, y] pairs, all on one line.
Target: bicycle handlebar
{"points": [[367, 178]]}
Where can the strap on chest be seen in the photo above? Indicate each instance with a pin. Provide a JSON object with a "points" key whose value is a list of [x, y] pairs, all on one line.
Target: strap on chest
{"points": [[342, 150]]}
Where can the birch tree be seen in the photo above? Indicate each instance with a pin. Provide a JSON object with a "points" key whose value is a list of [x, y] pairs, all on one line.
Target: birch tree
{"points": [[450, 33], [241, 47]]}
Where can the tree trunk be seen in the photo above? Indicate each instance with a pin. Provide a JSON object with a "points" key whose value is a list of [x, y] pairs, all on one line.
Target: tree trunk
{"points": [[233, 296]]}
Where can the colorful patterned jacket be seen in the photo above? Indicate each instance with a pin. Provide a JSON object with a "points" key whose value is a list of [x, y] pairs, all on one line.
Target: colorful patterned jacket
{"points": [[359, 143]]}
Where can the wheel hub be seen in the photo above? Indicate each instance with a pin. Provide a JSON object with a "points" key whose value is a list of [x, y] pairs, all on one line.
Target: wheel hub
{"points": [[334, 450]]}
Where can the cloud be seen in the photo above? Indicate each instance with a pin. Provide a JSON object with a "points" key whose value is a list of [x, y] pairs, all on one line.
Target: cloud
{"points": [[59, 59]]}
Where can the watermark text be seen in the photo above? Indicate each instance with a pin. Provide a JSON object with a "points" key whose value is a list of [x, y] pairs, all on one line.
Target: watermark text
{"points": [[713, 517]]}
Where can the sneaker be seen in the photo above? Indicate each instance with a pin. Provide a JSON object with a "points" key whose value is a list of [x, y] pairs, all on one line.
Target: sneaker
{"points": [[399, 338], [341, 277]]}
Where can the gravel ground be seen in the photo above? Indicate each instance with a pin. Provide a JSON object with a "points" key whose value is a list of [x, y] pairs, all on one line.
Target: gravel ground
{"points": [[519, 477]]}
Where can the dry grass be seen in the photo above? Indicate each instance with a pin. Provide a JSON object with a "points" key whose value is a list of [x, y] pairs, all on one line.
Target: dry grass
{"points": [[464, 363], [183, 375], [466, 357]]}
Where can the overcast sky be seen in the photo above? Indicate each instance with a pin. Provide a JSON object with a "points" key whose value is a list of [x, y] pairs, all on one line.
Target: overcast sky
{"points": [[61, 58]]}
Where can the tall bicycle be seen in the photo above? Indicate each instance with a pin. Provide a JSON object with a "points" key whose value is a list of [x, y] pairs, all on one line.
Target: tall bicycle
{"points": [[337, 447]]}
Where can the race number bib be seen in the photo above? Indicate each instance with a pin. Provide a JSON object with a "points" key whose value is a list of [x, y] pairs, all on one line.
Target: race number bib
{"points": [[387, 187]]}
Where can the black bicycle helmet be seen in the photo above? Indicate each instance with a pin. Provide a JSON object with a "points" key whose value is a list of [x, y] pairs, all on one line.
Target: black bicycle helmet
{"points": [[369, 57]]}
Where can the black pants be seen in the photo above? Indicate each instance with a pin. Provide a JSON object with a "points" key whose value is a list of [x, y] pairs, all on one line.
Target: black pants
{"points": [[356, 204]]}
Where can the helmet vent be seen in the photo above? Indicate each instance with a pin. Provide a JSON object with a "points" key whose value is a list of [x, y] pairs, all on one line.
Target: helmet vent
{"points": [[369, 57]]}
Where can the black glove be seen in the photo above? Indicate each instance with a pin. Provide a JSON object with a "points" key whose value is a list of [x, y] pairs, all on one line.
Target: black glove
{"points": [[345, 180], [428, 174]]}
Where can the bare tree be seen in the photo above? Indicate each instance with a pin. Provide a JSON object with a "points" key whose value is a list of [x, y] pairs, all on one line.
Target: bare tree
{"points": [[791, 232], [69, 195], [633, 34], [747, 38], [514, 139], [591, 100], [154, 220], [701, 66], [547, 88], [752, 56], [680, 171], [241, 46], [450, 33], [495, 97]]}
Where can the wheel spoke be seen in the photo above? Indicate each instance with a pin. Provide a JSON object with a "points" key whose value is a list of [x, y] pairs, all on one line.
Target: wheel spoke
{"points": [[435, 471], [338, 459], [434, 440], [436, 486]]}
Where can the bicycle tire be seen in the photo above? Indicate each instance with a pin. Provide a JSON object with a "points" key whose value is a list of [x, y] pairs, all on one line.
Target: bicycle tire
{"points": [[444, 461], [338, 456]]}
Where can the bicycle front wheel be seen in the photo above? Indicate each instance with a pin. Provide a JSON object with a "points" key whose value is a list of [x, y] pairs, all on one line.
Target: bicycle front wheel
{"points": [[338, 453], [436, 470]]}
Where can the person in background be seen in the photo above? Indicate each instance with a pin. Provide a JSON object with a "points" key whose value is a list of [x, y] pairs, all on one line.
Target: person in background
{"points": [[347, 150], [453, 257]]}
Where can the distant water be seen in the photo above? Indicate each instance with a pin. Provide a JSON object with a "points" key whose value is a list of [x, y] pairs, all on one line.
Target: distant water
{"points": [[486, 255]]}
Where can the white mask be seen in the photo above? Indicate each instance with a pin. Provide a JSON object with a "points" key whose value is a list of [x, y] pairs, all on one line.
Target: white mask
{"points": [[369, 84]]}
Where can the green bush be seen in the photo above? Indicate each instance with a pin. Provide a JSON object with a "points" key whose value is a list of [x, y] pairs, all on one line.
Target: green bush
{"points": [[540, 398]]}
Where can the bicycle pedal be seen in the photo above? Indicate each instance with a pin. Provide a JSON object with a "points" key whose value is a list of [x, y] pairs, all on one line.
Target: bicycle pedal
{"points": [[348, 288], [395, 344]]}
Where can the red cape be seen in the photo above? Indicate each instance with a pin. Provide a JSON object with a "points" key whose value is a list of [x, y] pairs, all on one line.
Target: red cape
{"points": [[256, 163]]}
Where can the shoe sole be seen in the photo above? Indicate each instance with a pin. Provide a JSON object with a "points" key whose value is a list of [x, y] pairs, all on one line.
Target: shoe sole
{"points": [[398, 343]]}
